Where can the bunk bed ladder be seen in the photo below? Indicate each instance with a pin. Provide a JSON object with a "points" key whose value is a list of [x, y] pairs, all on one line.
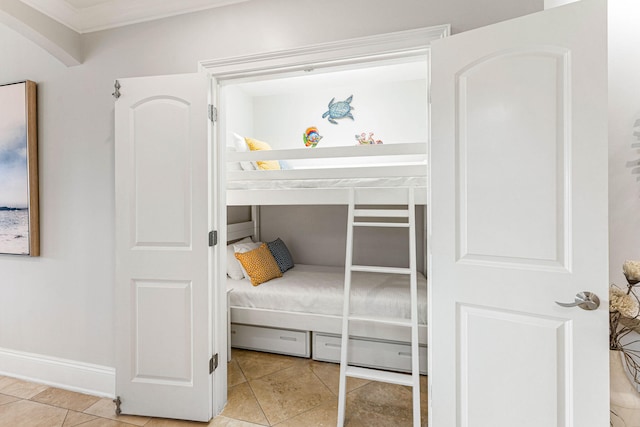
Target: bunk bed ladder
{"points": [[346, 370]]}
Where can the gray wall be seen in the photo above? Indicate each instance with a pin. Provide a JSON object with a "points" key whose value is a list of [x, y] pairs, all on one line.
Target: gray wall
{"points": [[317, 235], [62, 304]]}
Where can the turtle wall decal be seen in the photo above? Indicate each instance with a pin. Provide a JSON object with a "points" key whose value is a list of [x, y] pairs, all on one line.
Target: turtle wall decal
{"points": [[339, 110]]}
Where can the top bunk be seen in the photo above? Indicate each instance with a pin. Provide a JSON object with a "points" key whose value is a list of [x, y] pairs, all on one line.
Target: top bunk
{"points": [[380, 173], [311, 137]]}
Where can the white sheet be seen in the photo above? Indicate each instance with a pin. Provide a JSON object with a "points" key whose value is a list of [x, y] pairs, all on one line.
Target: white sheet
{"points": [[320, 290], [283, 184]]}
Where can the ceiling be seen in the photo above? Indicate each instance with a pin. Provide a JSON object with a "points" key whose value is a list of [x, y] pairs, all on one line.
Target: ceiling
{"points": [[396, 70], [84, 16]]}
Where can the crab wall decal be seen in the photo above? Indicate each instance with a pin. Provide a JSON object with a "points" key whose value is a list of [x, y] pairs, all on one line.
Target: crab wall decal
{"points": [[363, 139], [339, 110]]}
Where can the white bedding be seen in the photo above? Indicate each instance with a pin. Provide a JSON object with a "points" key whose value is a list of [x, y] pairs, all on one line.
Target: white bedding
{"points": [[280, 184], [320, 290]]}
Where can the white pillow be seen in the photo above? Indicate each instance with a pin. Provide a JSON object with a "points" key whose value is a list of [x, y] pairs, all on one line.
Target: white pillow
{"points": [[241, 248], [234, 268], [242, 147]]}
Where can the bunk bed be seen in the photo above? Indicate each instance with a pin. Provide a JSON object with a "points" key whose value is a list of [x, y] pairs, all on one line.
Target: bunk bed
{"points": [[283, 315]]}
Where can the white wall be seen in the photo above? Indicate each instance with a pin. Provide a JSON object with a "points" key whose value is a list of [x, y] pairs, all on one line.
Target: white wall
{"points": [[393, 111], [235, 113], [624, 144], [61, 304]]}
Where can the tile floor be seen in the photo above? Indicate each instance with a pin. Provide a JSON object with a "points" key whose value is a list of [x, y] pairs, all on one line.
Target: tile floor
{"points": [[264, 390]]}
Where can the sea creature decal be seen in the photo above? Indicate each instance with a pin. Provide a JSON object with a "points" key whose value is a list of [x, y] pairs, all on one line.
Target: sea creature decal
{"points": [[339, 110], [363, 139], [311, 137]]}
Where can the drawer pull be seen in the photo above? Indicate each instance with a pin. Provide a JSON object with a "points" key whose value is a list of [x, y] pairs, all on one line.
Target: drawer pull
{"points": [[233, 331], [332, 345], [289, 339], [404, 354]]}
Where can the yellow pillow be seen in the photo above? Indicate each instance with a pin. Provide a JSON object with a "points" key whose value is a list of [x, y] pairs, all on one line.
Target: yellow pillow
{"points": [[260, 265], [255, 145]]}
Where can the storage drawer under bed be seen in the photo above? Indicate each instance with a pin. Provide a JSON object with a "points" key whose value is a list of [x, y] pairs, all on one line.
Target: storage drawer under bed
{"points": [[272, 340], [389, 355]]}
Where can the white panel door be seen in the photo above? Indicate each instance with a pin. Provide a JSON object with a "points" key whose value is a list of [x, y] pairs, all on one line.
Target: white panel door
{"points": [[519, 221], [163, 327]]}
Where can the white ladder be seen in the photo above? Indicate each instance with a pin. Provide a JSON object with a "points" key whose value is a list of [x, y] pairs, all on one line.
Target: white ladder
{"points": [[346, 370]]}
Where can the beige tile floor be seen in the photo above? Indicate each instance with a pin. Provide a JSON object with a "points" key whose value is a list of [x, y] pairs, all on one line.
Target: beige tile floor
{"points": [[264, 390]]}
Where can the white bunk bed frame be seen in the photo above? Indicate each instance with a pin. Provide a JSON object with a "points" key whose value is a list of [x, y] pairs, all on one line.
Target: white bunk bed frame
{"points": [[330, 194], [318, 335]]}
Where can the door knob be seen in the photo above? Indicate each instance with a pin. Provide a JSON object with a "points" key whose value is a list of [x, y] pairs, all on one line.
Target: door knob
{"points": [[585, 300]]}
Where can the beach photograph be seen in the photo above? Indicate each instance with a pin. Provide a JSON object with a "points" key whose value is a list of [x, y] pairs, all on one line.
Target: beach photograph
{"points": [[14, 171]]}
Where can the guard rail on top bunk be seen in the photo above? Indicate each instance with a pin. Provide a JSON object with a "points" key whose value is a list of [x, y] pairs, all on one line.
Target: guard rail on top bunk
{"points": [[396, 166]]}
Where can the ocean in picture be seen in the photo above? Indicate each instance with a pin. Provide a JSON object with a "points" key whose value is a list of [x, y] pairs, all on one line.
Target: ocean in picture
{"points": [[14, 231]]}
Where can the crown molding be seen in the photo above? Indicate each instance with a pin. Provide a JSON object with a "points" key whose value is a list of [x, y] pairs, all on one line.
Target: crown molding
{"points": [[117, 13], [342, 52], [58, 10], [59, 40]]}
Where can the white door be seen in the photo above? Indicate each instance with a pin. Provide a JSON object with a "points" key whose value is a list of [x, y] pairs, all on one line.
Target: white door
{"points": [[163, 295], [519, 221]]}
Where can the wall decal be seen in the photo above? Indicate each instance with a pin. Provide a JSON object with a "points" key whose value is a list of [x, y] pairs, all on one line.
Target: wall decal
{"points": [[311, 137], [364, 139], [339, 110]]}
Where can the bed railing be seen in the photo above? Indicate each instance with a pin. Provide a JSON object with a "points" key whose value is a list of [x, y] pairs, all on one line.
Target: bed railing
{"points": [[399, 165], [361, 161], [411, 148]]}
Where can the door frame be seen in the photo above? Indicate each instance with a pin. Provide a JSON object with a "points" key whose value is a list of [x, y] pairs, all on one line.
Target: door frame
{"points": [[343, 53]]}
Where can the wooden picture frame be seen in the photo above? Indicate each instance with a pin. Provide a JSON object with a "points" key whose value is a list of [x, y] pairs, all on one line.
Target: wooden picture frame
{"points": [[19, 196]]}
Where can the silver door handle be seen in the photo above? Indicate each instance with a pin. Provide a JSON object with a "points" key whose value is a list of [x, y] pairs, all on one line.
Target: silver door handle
{"points": [[585, 300]]}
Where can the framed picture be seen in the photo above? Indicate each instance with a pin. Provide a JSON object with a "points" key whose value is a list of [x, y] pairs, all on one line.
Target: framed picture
{"points": [[19, 219]]}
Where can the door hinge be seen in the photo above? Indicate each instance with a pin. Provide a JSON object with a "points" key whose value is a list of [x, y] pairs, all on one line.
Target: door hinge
{"points": [[116, 93], [213, 113], [213, 363], [117, 401], [213, 238]]}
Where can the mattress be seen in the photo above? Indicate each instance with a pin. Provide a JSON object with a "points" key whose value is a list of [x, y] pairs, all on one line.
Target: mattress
{"points": [[285, 184], [320, 290]]}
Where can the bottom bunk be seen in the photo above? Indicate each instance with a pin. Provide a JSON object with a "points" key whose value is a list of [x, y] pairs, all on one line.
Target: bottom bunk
{"points": [[300, 314]]}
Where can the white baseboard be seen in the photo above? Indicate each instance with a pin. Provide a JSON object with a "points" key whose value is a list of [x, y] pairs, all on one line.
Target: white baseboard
{"points": [[61, 373]]}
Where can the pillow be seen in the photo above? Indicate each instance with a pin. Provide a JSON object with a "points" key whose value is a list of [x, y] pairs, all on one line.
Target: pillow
{"points": [[241, 147], [234, 268], [281, 254], [284, 165], [242, 247], [260, 265], [255, 145]]}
